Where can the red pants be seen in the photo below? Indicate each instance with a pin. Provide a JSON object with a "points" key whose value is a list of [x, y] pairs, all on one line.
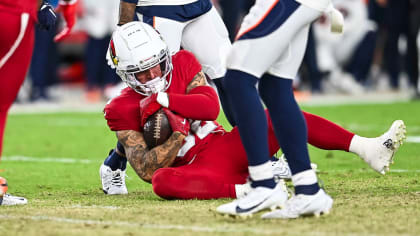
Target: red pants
{"points": [[216, 169], [221, 162], [16, 46]]}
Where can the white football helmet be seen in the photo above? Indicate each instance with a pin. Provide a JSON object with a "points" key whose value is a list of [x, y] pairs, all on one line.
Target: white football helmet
{"points": [[137, 47]]}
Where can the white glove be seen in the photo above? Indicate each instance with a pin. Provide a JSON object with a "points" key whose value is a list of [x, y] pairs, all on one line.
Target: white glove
{"points": [[163, 99], [336, 18], [337, 21]]}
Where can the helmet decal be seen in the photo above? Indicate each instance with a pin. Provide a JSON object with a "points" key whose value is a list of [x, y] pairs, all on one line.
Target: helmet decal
{"points": [[113, 55]]}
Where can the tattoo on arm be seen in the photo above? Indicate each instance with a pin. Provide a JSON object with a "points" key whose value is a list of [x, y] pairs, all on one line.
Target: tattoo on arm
{"points": [[127, 11], [145, 162], [198, 80]]}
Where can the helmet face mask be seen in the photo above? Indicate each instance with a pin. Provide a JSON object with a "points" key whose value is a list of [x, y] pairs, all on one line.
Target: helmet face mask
{"points": [[136, 47]]}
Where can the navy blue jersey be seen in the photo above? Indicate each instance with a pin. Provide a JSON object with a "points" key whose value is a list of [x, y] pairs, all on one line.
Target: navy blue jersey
{"points": [[180, 13]]}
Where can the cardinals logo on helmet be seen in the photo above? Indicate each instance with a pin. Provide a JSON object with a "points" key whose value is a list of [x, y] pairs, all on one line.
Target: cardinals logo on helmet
{"points": [[112, 53]]}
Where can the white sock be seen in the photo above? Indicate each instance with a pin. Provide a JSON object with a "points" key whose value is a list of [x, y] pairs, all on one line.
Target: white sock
{"points": [[307, 177], [358, 145], [261, 172]]}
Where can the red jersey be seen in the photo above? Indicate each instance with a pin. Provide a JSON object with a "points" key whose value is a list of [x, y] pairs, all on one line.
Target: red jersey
{"points": [[20, 6], [123, 112]]}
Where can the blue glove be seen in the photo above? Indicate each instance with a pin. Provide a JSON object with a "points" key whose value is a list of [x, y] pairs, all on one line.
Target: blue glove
{"points": [[46, 16]]}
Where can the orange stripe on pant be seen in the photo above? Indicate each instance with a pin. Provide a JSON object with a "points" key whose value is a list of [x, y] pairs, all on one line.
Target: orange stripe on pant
{"points": [[259, 22]]}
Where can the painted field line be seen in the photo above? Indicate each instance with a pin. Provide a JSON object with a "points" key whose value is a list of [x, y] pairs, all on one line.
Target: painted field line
{"points": [[367, 170], [413, 139], [193, 228], [49, 159], [77, 206], [374, 127], [96, 161], [403, 171], [145, 226]]}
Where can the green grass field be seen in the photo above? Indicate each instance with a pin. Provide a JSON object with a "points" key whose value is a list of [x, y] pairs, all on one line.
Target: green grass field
{"points": [[53, 160]]}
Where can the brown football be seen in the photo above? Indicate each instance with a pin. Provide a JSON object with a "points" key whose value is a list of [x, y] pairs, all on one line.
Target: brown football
{"points": [[157, 129]]}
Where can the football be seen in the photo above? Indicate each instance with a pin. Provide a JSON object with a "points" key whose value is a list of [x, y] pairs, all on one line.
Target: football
{"points": [[157, 129]]}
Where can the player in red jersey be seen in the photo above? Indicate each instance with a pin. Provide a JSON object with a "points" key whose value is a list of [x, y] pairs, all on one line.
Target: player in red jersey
{"points": [[200, 159], [16, 45]]}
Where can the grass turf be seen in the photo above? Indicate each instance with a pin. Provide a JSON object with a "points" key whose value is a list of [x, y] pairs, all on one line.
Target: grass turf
{"points": [[65, 198]]}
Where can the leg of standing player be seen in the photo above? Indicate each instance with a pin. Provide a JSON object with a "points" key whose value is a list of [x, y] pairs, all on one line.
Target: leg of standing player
{"points": [[16, 48], [15, 56], [213, 55], [272, 35]]}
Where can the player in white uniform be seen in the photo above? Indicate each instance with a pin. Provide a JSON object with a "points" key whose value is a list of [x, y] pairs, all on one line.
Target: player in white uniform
{"points": [[347, 57], [268, 50]]}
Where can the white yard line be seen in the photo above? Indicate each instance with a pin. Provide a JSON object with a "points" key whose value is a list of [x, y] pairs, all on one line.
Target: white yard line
{"points": [[404, 171], [367, 170], [373, 127], [413, 139], [78, 206], [49, 159], [166, 227], [96, 161], [215, 229], [145, 225], [366, 98], [71, 99]]}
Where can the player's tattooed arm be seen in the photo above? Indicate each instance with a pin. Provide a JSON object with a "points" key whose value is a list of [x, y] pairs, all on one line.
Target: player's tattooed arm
{"points": [[198, 80], [144, 161], [127, 11]]}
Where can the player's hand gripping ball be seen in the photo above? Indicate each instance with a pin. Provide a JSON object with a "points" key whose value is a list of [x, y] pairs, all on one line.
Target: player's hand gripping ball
{"points": [[3, 186], [157, 129]]}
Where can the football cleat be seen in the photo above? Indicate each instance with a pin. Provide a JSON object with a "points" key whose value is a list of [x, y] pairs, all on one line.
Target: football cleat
{"points": [[379, 152], [113, 182], [303, 205], [281, 169], [260, 198], [9, 200]]}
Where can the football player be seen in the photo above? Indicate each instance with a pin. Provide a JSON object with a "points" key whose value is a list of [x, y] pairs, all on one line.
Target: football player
{"points": [[189, 24], [16, 43], [200, 159], [268, 51], [348, 57]]}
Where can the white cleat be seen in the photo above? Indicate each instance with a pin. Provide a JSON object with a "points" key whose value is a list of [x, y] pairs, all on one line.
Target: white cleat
{"points": [[281, 169], [303, 205], [260, 198], [113, 182], [9, 200], [380, 151]]}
